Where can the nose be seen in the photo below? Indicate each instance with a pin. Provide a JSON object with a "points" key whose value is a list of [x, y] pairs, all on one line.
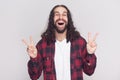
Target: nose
{"points": [[60, 17]]}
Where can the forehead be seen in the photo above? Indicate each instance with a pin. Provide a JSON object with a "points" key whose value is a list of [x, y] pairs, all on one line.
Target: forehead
{"points": [[60, 10]]}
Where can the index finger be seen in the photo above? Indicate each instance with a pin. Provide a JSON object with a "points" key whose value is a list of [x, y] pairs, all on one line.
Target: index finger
{"points": [[89, 36], [25, 42], [31, 40]]}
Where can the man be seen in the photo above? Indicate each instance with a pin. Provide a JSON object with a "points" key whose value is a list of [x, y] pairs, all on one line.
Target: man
{"points": [[62, 53]]}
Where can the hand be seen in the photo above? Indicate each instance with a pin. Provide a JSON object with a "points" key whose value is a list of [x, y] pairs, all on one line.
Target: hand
{"points": [[31, 49], [91, 45]]}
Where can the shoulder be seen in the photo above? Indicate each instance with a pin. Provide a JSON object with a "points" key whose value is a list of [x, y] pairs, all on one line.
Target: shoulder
{"points": [[41, 42], [80, 40]]}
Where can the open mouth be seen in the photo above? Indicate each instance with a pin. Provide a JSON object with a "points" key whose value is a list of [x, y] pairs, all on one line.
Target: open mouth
{"points": [[60, 23]]}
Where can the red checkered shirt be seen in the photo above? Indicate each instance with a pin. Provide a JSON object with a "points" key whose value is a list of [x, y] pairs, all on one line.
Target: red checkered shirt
{"points": [[80, 61]]}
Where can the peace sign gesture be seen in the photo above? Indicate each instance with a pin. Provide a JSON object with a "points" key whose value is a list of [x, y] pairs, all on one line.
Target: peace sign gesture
{"points": [[91, 45], [31, 49]]}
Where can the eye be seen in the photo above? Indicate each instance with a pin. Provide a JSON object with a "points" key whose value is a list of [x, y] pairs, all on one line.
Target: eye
{"points": [[64, 14], [56, 14]]}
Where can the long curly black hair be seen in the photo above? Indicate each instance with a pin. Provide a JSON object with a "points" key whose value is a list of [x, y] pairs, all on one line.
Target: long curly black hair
{"points": [[49, 34]]}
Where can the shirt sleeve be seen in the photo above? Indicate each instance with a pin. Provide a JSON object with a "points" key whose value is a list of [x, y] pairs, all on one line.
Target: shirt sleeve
{"points": [[35, 65], [89, 61]]}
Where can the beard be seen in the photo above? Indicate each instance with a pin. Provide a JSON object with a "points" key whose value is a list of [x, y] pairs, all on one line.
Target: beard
{"points": [[61, 30]]}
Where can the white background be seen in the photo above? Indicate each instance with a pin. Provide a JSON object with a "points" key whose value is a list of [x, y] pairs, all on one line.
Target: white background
{"points": [[22, 18]]}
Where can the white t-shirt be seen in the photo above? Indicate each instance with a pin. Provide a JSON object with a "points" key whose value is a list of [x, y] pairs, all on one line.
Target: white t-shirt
{"points": [[62, 60]]}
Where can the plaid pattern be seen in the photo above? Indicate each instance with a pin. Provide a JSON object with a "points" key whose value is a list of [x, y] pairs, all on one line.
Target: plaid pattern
{"points": [[79, 59]]}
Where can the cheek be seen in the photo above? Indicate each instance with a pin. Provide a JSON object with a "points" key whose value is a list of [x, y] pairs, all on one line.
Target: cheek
{"points": [[55, 20], [66, 19]]}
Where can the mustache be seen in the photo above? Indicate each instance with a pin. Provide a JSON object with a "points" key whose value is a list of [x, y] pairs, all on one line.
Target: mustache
{"points": [[60, 20]]}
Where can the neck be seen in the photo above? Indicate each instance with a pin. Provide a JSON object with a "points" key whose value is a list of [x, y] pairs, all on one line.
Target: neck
{"points": [[60, 36]]}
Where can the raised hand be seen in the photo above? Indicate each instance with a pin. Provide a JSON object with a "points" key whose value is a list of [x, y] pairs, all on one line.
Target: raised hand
{"points": [[91, 45], [31, 49]]}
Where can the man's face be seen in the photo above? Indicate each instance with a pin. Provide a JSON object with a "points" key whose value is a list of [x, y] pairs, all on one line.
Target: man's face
{"points": [[60, 19]]}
